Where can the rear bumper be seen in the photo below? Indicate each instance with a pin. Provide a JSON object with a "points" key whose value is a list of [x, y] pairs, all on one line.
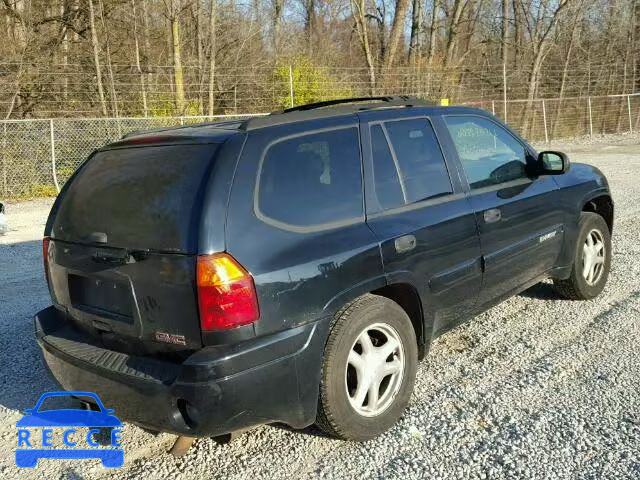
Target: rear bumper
{"points": [[215, 391]]}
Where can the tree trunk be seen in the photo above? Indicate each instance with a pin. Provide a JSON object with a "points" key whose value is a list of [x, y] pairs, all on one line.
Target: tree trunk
{"points": [[397, 27], [146, 42], [416, 31], [276, 19], [212, 56], [201, 73], [359, 14], [540, 47], [517, 31], [433, 33], [112, 84], [178, 73], [143, 89], [96, 58], [309, 23], [563, 82], [504, 31], [454, 25], [65, 53]]}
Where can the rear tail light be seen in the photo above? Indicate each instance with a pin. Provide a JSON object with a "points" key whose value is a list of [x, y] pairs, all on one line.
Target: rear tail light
{"points": [[45, 255], [226, 293]]}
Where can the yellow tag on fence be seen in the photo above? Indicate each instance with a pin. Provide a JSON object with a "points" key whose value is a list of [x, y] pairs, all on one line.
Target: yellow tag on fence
{"points": [[444, 102]]}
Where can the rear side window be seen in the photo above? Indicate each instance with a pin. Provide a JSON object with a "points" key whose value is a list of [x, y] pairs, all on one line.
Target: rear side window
{"points": [[311, 181], [141, 198], [413, 169]]}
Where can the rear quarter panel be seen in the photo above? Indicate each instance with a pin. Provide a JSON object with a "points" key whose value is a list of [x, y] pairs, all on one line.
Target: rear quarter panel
{"points": [[300, 277]]}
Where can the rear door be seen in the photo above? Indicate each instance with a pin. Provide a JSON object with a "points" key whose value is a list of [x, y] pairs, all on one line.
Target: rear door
{"points": [[123, 244], [519, 214], [420, 215]]}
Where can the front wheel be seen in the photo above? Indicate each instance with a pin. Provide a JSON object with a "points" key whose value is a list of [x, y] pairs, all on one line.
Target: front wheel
{"points": [[591, 262], [368, 370]]}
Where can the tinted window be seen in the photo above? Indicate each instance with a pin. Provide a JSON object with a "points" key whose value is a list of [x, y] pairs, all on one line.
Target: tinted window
{"points": [[144, 197], [385, 174], [489, 154], [312, 179], [423, 173]]}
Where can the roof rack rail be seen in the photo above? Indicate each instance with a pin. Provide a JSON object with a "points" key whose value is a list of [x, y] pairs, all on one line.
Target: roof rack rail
{"points": [[395, 100]]}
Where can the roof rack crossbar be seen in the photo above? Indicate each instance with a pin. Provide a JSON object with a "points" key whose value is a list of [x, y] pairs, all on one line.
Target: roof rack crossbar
{"points": [[327, 103]]}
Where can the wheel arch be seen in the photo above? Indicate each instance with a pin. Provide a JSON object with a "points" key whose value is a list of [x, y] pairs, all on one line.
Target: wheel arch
{"points": [[601, 205], [402, 292], [407, 297]]}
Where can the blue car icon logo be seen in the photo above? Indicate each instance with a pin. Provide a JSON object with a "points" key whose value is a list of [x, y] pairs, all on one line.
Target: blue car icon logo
{"points": [[68, 418]]}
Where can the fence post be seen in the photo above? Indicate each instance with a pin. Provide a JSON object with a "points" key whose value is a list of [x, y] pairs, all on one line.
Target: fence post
{"points": [[590, 117], [629, 111], [544, 119], [181, 120], [235, 99], [291, 84], [493, 107], [53, 155], [504, 90]]}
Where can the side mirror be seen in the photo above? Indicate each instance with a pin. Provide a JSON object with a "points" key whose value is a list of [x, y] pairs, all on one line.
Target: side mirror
{"points": [[553, 163]]}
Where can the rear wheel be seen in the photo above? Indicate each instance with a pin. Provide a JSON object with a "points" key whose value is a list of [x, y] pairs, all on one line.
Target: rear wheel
{"points": [[368, 371], [591, 262]]}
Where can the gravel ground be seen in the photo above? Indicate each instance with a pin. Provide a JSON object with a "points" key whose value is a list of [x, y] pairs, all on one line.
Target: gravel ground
{"points": [[537, 387]]}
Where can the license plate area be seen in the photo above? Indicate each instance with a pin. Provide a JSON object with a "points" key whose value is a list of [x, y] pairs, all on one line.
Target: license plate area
{"points": [[102, 296]]}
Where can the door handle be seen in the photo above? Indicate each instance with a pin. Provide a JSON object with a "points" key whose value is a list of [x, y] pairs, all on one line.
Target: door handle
{"points": [[405, 243], [492, 215]]}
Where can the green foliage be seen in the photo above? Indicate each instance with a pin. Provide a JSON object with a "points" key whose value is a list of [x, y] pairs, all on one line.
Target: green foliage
{"points": [[37, 190], [310, 83], [166, 108]]}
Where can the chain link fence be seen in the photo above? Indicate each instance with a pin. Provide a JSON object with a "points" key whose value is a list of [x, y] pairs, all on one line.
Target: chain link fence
{"points": [[38, 156]]}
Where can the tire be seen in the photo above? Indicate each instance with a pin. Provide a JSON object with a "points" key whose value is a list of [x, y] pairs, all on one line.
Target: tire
{"points": [[583, 285], [342, 410]]}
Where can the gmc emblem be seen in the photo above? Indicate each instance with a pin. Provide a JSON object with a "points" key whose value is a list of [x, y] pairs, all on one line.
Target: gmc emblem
{"points": [[169, 338]]}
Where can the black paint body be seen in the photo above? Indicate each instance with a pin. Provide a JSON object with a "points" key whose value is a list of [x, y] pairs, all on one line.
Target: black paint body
{"points": [[269, 371]]}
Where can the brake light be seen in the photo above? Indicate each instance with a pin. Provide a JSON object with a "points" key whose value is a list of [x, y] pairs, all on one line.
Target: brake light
{"points": [[226, 293], [45, 255]]}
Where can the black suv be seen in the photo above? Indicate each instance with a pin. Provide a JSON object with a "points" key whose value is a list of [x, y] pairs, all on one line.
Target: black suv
{"points": [[295, 267]]}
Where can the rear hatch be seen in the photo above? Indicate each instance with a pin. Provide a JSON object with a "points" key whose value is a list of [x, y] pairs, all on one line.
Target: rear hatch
{"points": [[122, 255]]}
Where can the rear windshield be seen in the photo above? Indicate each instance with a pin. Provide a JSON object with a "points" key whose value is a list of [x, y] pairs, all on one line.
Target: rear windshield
{"points": [[140, 198]]}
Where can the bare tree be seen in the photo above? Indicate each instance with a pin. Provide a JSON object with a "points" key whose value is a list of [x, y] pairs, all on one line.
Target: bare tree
{"points": [[174, 9], [130, 57], [277, 9], [212, 56], [415, 43], [143, 89], [504, 30], [540, 31], [358, 10], [454, 25], [399, 17], [433, 35], [96, 57]]}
